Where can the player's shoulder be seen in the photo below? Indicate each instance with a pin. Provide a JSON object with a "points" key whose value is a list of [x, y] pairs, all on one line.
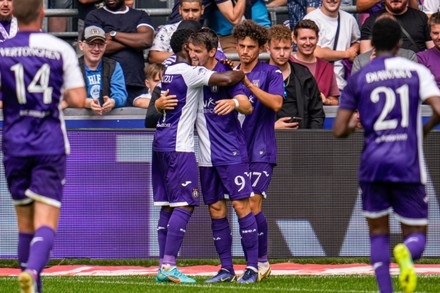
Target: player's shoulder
{"points": [[401, 63]]}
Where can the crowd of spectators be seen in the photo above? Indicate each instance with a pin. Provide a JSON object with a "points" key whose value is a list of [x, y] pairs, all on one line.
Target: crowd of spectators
{"points": [[326, 42]]}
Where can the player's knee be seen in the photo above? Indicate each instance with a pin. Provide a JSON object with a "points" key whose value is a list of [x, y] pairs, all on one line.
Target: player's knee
{"points": [[217, 210]]}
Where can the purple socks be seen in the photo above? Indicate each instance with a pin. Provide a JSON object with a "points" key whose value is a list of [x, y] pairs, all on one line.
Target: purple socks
{"points": [[176, 231], [162, 230], [249, 239], [416, 243], [262, 236], [380, 260], [221, 233]]}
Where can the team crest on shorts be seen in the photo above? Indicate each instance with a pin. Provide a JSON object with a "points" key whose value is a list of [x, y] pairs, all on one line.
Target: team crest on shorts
{"points": [[195, 193]]}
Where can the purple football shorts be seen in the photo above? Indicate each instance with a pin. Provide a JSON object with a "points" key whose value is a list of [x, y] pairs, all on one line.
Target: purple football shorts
{"points": [[261, 175], [408, 200], [230, 182], [175, 179], [36, 178]]}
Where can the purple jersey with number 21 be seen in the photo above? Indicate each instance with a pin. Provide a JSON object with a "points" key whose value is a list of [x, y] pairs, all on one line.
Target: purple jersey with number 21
{"points": [[388, 93]]}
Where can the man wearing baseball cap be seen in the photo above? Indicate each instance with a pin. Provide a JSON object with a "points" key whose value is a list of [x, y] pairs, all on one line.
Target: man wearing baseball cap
{"points": [[104, 78]]}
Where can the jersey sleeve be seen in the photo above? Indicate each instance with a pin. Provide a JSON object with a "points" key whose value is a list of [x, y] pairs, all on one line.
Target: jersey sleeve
{"points": [[71, 72], [276, 85], [198, 76], [428, 86]]}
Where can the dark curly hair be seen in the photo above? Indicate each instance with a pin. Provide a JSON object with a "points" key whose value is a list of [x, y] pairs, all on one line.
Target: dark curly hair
{"points": [[249, 28], [179, 38]]}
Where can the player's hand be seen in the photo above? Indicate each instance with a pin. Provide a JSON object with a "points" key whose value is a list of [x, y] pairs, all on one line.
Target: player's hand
{"points": [[166, 102], [283, 123], [109, 104], [224, 107], [95, 107], [228, 63], [247, 83]]}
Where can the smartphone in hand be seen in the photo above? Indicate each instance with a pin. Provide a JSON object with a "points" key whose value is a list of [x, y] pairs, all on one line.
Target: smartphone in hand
{"points": [[295, 119], [101, 98]]}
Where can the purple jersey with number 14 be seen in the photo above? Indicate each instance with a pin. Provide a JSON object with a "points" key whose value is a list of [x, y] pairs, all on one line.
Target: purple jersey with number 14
{"points": [[35, 68], [388, 93]]}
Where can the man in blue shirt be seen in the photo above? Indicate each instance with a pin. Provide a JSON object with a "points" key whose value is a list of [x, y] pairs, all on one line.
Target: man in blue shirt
{"points": [[104, 78], [388, 93]]}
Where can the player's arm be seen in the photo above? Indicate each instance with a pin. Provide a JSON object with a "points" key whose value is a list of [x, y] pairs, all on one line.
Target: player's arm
{"points": [[141, 39], [75, 97], [362, 5], [226, 78], [158, 56], [434, 120], [240, 103], [232, 13], [345, 123], [274, 102]]}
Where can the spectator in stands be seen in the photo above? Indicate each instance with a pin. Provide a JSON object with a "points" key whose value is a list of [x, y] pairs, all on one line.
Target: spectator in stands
{"points": [[372, 6], [265, 90], [8, 23], [431, 57], [430, 7], [362, 59], [297, 9], [305, 36], [338, 37], [414, 25], [153, 76], [129, 3], [59, 23], [161, 49], [103, 76], [224, 16], [128, 32], [84, 7], [301, 94]]}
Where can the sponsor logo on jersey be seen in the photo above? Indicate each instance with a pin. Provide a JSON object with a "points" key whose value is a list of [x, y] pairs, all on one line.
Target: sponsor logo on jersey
{"points": [[186, 183]]}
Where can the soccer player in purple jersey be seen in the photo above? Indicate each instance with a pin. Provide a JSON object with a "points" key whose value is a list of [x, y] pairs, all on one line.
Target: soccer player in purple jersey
{"points": [[265, 90], [223, 158], [388, 93], [175, 178], [37, 70]]}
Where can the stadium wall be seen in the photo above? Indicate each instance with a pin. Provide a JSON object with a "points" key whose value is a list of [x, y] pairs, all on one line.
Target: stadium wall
{"points": [[313, 207]]}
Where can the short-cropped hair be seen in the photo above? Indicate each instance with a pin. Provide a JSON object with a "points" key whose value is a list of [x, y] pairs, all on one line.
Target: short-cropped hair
{"points": [[152, 69], [306, 24], [434, 19], [178, 39], [386, 34], [279, 32], [205, 36]]}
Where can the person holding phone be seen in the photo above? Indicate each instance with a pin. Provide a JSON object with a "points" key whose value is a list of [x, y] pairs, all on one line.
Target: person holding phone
{"points": [[302, 104], [104, 78]]}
